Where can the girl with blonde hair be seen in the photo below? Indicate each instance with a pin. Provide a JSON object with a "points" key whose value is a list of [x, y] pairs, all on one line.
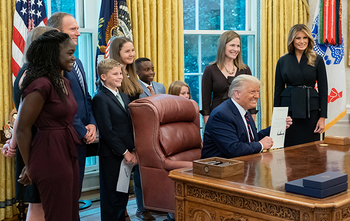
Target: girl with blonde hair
{"points": [[180, 88]]}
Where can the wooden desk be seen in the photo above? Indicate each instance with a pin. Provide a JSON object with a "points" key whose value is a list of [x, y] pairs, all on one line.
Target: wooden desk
{"points": [[258, 193]]}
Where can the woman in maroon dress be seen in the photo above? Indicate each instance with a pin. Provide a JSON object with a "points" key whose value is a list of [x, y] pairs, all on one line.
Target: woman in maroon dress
{"points": [[49, 104]]}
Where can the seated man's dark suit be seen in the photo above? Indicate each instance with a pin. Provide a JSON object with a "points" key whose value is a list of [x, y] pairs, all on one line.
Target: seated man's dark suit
{"points": [[116, 136], [226, 134]]}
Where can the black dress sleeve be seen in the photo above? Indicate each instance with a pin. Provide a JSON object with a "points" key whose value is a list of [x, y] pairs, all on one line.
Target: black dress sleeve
{"points": [[279, 85], [322, 84], [207, 88]]}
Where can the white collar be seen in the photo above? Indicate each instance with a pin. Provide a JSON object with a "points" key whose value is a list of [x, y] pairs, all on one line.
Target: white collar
{"points": [[144, 83], [240, 108], [114, 92]]}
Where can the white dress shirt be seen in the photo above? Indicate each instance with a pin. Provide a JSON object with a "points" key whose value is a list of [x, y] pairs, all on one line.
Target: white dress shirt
{"points": [[242, 112]]}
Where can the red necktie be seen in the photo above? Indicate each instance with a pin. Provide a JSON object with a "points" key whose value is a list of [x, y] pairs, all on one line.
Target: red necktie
{"points": [[250, 132], [151, 90]]}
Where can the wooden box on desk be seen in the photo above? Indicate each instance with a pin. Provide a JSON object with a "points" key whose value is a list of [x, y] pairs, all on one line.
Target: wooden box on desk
{"points": [[227, 168]]}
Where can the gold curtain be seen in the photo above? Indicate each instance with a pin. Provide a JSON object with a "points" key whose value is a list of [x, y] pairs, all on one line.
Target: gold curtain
{"points": [[157, 27], [7, 185], [277, 17]]}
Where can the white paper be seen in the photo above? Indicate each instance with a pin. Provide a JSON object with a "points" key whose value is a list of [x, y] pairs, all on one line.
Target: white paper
{"points": [[124, 177], [278, 126]]}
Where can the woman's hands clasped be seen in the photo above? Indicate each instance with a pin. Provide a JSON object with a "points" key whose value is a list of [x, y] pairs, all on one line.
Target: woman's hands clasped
{"points": [[8, 150], [24, 178]]}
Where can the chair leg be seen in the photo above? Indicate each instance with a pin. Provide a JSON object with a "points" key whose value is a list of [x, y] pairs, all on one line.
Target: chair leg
{"points": [[22, 207]]}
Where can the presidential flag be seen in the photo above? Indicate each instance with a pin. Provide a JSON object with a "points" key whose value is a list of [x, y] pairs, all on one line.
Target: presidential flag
{"points": [[333, 56], [114, 21], [28, 15]]}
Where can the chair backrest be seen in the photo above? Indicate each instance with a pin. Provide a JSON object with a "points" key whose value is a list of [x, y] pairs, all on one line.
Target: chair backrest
{"points": [[167, 137], [166, 129]]}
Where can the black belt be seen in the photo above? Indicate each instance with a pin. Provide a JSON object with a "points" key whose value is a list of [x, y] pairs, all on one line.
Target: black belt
{"points": [[308, 98], [299, 98]]}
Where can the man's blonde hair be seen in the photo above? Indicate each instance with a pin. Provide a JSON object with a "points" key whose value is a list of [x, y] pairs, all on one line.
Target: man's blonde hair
{"points": [[106, 65]]}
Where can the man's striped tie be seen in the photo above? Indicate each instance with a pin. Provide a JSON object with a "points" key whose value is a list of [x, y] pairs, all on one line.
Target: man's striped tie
{"points": [[250, 132], [80, 76]]}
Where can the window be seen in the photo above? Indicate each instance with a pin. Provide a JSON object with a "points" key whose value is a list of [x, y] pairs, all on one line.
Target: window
{"points": [[85, 49], [204, 22]]}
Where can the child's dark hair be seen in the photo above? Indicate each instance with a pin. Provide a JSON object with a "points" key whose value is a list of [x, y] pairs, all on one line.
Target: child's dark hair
{"points": [[139, 61]]}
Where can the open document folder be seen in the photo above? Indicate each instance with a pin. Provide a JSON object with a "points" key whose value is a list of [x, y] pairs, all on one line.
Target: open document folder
{"points": [[124, 177], [278, 126]]}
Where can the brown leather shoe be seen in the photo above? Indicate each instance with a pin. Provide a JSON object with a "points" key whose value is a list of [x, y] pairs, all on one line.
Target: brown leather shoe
{"points": [[144, 215]]}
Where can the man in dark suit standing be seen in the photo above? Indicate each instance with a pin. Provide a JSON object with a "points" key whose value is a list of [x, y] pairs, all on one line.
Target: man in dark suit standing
{"points": [[84, 121], [230, 131]]}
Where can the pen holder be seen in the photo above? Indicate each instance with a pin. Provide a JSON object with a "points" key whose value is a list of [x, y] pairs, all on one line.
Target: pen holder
{"points": [[218, 167]]}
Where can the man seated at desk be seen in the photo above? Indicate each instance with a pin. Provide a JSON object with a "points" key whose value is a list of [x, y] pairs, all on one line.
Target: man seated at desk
{"points": [[230, 131]]}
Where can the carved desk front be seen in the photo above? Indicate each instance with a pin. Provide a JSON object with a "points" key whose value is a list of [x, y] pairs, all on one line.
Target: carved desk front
{"points": [[258, 193]]}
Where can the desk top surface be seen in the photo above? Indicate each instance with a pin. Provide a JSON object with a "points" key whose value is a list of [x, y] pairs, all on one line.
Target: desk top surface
{"points": [[266, 173]]}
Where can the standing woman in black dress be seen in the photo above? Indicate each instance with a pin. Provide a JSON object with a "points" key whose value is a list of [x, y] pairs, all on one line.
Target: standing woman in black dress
{"points": [[296, 76], [217, 77]]}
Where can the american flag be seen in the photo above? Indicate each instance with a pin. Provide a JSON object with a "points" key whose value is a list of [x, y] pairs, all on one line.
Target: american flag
{"points": [[28, 15]]}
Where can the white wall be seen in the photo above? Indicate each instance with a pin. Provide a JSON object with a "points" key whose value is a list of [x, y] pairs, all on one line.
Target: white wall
{"points": [[342, 128]]}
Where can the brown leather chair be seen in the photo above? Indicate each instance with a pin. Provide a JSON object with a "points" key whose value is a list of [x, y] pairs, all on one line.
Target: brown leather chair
{"points": [[167, 137]]}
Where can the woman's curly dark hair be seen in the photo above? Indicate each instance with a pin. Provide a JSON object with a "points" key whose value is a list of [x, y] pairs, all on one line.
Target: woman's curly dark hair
{"points": [[43, 58]]}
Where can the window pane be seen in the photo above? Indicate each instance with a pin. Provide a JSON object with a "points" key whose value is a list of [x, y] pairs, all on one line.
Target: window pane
{"points": [[234, 15], [191, 53], [208, 44], [86, 57], [189, 14], [209, 15], [67, 6], [244, 48], [193, 82], [90, 161]]}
